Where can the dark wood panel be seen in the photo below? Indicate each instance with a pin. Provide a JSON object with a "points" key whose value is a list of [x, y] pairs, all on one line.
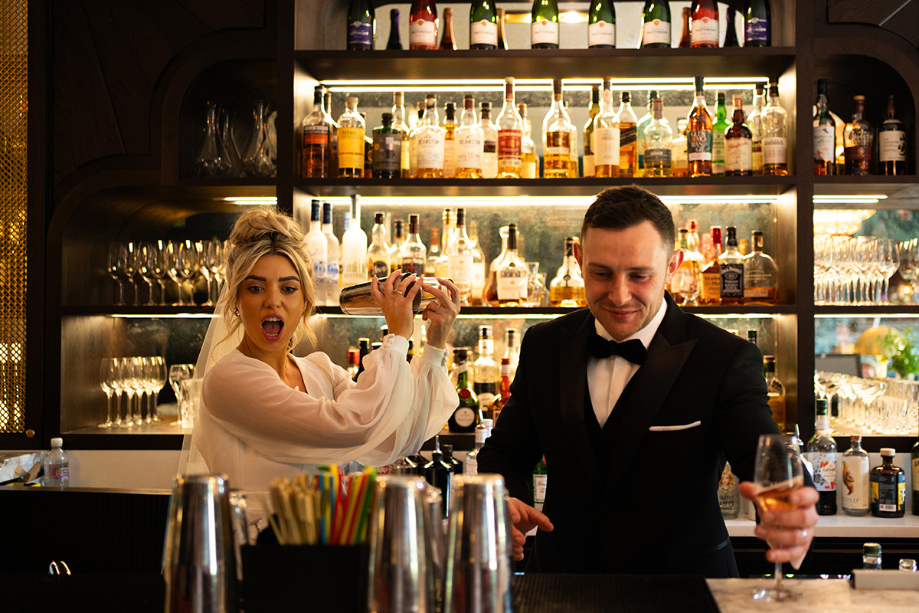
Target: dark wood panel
{"points": [[224, 14], [858, 11], [906, 23], [148, 47]]}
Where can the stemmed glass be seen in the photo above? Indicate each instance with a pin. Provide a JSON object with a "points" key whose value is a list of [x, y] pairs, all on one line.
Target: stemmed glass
{"points": [[111, 266], [107, 375], [121, 372], [909, 265], [868, 390], [888, 258], [146, 263], [177, 374], [156, 376], [211, 263], [129, 385], [777, 473], [182, 263]]}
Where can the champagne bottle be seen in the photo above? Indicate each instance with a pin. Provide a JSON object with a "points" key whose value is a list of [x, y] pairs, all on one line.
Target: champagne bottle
{"points": [[757, 23], [601, 25], [655, 28], [699, 135], [395, 40], [422, 25], [362, 25], [718, 129], [704, 25], [685, 30], [544, 25], [483, 25], [447, 41], [824, 134], [510, 135], [891, 143]]}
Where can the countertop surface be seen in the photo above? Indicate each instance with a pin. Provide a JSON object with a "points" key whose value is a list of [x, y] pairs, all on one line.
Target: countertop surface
{"points": [[846, 526], [830, 595]]}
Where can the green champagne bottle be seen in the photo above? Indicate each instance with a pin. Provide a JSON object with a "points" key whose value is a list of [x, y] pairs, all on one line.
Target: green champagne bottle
{"points": [[362, 25], [718, 128], [483, 25], [601, 25], [655, 31], [544, 25]]}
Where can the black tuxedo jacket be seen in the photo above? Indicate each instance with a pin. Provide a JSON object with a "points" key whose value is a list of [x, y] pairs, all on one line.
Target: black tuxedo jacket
{"points": [[656, 510]]}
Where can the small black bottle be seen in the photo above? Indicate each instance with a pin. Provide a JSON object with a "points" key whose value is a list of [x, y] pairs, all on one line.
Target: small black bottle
{"points": [[448, 457], [395, 41], [439, 473]]}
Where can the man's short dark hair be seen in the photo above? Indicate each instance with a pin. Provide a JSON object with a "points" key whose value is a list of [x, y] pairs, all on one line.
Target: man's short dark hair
{"points": [[618, 208]]}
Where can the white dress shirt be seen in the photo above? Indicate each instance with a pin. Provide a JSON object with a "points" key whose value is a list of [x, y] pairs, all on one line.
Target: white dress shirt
{"points": [[606, 378]]}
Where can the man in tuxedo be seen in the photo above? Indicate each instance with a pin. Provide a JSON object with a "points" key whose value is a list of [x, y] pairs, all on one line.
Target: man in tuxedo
{"points": [[635, 406]]}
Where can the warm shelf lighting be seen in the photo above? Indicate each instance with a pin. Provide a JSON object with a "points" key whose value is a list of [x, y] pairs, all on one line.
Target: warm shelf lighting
{"points": [[850, 199], [353, 86], [538, 201], [164, 316], [840, 222], [252, 200]]}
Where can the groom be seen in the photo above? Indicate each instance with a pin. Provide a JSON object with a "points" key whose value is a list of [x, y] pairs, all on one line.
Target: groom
{"points": [[635, 433]]}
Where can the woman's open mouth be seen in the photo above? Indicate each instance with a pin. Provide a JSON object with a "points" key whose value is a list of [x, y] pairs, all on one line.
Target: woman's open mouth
{"points": [[272, 327]]}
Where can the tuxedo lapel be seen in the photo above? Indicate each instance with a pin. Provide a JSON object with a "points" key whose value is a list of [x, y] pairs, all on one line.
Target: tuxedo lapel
{"points": [[572, 385]]}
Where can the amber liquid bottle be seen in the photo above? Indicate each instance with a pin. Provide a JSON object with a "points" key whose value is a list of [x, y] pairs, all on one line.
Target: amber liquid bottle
{"points": [[710, 292], [447, 41], [685, 41], [699, 135]]}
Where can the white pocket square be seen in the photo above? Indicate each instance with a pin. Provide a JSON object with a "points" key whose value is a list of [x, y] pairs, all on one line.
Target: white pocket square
{"points": [[674, 428]]}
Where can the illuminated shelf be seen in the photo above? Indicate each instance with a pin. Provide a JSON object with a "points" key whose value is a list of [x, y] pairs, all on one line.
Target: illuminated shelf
{"points": [[139, 311], [901, 191], [894, 310]]}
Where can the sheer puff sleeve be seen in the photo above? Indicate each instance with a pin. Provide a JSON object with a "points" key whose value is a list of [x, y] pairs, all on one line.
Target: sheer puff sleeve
{"points": [[389, 412]]}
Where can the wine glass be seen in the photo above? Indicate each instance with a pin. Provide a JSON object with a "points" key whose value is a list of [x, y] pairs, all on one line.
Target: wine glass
{"points": [[888, 258], [156, 379], [107, 382], [127, 265], [120, 383], [181, 264], [909, 265], [177, 374], [111, 266], [211, 263], [868, 390], [777, 473]]}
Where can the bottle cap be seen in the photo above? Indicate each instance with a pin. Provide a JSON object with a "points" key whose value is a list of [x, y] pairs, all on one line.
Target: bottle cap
{"points": [[888, 452], [700, 83], [488, 423], [625, 97], [871, 549], [387, 119], [485, 331], [57, 442], [378, 217]]}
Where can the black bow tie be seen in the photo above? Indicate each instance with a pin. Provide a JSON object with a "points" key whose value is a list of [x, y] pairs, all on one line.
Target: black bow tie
{"points": [[633, 351]]}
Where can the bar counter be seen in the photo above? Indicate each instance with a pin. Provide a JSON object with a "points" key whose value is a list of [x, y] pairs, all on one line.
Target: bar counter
{"points": [[735, 596]]}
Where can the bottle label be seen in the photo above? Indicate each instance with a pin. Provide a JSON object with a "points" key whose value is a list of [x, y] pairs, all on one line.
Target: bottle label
{"points": [[773, 150], [528, 169], [387, 152], [316, 135], [856, 155], [59, 472], [711, 285], [738, 154], [406, 161], [430, 152], [379, 268], [606, 146], [483, 32], [656, 32], [731, 281], [350, 147], [544, 31], [485, 399], [360, 33], [756, 29], [331, 272], [558, 144], [888, 492], [892, 146], [824, 470], [855, 482], [422, 32], [461, 270], [412, 266], [601, 33], [704, 31], [509, 148], [627, 135], [509, 288], [540, 482], [757, 155], [915, 465], [449, 158], [589, 169], [469, 151], [464, 417], [478, 279], [825, 143], [718, 152], [699, 145], [657, 157], [472, 465]]}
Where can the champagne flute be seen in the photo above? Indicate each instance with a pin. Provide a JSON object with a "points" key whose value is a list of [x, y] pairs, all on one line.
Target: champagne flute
{"points": [[107, 374], [121, 386], [180, 266], [112, 267], [147, 266], [777, 474]]}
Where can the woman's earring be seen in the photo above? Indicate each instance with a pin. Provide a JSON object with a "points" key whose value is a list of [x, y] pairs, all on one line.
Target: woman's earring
{"points": [[236, 311]]}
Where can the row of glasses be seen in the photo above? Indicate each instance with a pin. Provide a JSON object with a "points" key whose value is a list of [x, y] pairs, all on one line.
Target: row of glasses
{"points": [[219, 155], [132, 377], [853, 270], [909, 267], [871, 406]]}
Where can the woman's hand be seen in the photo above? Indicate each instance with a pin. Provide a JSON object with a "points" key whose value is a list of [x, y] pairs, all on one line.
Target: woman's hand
{"points": [[441, 312], [395, 301]]}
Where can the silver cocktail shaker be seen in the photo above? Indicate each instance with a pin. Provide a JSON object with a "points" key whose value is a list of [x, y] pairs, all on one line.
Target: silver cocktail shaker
{"points": [[357, 300]]}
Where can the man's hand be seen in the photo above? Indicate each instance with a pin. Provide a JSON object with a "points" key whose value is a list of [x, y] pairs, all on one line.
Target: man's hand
{"points": [[523, 519], [790, 532]]}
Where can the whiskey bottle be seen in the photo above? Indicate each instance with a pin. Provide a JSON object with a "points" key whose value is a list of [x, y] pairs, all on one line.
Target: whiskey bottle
{"points": [[422, 25], [775, 390], [888, 487], [510, 135], [413, 140], [316, 131], [757, 24], [556, 134], [449, 140], [628, 145], [497, 405], [483, 25], [430, 265], [655, 27], [755, 123], [387, 150], [760, 275], [686, 280], [378, 254], [398, 239], [855, 480], [891, 143], [544, 24], [710, 291], [704, 25], [487, 374], [512, 275], [529, 165], [540, 483], [601, 25], [605, 143], [719, 127], [469, 142], [573, 165], [512, 350], [685, 36], [567, 288], [738, 144], [412, 254], [399, 124], [774, 142], [430, 143], [489, 144], [858, 140], [699, 134], [395, 40], [657, 137], [362, 25], [459, 256], [643, 124], [351, 134], [824, 134], [731, 270], [679, 150], [589, 167], [465, 417], [821, 452], [447, 41]]}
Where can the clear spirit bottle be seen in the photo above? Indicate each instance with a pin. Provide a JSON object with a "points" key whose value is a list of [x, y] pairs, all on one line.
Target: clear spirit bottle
{"points": [[658, 140], [605, 137], [774, 141], [459, 256], [855, 481]]}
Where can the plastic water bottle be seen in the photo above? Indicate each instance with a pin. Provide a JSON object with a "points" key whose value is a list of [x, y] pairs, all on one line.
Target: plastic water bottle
{"points": [[56, 465]]}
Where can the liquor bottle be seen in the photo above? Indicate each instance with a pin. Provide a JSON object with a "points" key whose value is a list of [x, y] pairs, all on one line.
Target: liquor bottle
{"points": [[655, 27], [368, 151], [891, 143], [755, 123], [699, 135], [855, 495], [731, 267], [363, 345], [601, 25], [459, 255], [362, 25], [472, 458], [824, 134], [317, 247], [757, 24], [710, 294], [465, 417], [628, 135], [728, 494], [413, 140], [378, 254], [502, 36], [490, 294], [512, 276], [529, 165], [354, 248], [429, 143], [567, 288], [483, 25], [469, 142], [478, 265], [573, 170], [680, 159], [760, 275], [858, 139], [606, 136], [395, 40], [395, 249], [540, 482], [914, 462], [489, 144], [512, 349], [452, 461], [544, 24], [398, 123], [686, 280], [449, 140], [497, 405], [439, 474], [776, 391], [413, 253], [774, 142], [442, 267], [556, 137], [387, 150], [447, 41], [657, 143], [430, 265], [351, 134], [56, 465], [315, 152], [487, 374], [333, 133], [704, 25], [730, 28], [422, 25], [640, 133], [589, 167], [738, 144], [510, 135], [354, 362], [821, 452], [332, 275], [888, 487], [685, 35], [718, 129]]}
